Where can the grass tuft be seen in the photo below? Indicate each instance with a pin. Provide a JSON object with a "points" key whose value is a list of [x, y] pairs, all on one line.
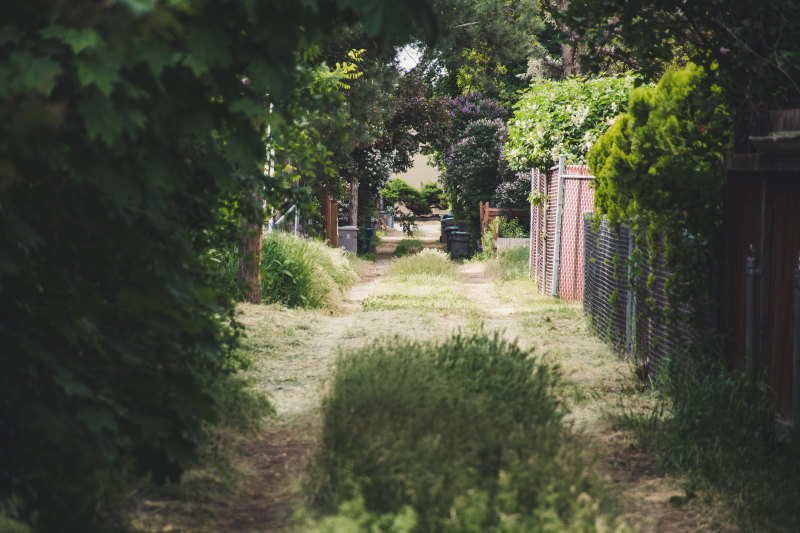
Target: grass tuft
{"points": [[429, 263], [408, 247]]}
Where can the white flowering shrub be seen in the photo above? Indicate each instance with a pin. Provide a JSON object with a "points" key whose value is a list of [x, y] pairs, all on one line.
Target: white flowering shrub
{"points": [[563, 117]]}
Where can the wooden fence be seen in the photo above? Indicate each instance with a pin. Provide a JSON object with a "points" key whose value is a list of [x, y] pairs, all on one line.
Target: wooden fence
{"points": [[488, 214]]}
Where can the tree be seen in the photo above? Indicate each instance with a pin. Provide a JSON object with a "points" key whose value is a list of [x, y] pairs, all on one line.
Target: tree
{"points": [[754, 46], [130, 144], [565, 117], [473, 164], [484, 47]]}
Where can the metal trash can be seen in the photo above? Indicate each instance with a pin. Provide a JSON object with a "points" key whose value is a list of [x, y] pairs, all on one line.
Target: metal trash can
{"points": [[368, 242], [348, 238], [446, 223], [387, 217], [459, 244]]}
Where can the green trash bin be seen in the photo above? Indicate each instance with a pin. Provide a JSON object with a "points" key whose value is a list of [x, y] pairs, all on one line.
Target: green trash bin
{"points": [[459, 244]]}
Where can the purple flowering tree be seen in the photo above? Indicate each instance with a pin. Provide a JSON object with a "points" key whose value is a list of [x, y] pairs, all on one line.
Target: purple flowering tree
{"points": [[473, 166], [514, 192]]}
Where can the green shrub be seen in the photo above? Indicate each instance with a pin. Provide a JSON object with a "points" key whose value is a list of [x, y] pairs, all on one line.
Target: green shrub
{"points": [[660, 165], [466, 435], [434, 195], [427, 263], [398, 191], [302, 272], [563, 117], [408, 247], [225, 264], [511, 229]]}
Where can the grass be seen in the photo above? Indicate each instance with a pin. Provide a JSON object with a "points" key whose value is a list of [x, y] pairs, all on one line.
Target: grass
{"points": [[407, 247], [437, 300], [429, 263], [463, 435], [205, 491], [303, 272], [511, 264], [717, 429]]}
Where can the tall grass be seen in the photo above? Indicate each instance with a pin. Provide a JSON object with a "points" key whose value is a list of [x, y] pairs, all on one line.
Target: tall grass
{"points": [[429, 263], [511, 264], [718, 427], [302, 272], [408, 247], [466, 435]]}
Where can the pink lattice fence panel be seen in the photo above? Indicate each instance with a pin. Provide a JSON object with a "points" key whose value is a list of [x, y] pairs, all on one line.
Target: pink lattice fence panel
{"points": [[578, 198]]}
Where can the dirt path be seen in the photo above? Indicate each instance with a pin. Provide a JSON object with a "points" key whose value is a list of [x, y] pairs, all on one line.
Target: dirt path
{"points": [[299, 355]]}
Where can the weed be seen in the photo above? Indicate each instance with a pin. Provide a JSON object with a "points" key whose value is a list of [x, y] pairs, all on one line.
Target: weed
{"points": [[511, 264], [718, 427]]}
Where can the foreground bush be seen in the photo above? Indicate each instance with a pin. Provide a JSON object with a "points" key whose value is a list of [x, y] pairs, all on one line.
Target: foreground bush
{"points": [[466, 435], [302, 272]]}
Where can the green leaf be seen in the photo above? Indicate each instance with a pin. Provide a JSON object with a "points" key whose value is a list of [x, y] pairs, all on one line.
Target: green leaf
{"points": [[102, 71], [78, 40], [97, 419], [9, 35], [101, 119], [35, 73], [249, 107]]}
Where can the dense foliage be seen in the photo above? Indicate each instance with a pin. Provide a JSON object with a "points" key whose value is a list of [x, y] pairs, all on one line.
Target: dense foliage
{"points": [[464, 435], [399, 191], [473, 165], [514, 192], [130, 142], [484, 46], [563, 118], [660, 167], [755, 44]]}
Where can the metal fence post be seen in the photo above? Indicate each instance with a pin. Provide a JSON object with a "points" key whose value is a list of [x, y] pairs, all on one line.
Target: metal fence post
{"points": [[796, 349], [530, 231], [630, 310], [557, 241], [751, 273]]}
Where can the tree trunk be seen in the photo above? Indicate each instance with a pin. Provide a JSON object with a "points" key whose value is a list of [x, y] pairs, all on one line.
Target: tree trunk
{"points": [[250, 261], [354, 202]]}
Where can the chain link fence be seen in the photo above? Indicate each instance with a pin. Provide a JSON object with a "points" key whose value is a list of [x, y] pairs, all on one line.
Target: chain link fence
{"points": [[624, 299]]}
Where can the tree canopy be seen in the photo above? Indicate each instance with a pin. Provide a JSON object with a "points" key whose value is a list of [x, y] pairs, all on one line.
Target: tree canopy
{"points": [[563, 117]]}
